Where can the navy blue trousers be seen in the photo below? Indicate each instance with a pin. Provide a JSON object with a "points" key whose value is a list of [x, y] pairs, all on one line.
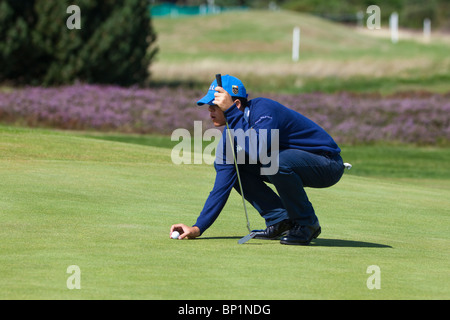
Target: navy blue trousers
{"points": [[297, 169]]}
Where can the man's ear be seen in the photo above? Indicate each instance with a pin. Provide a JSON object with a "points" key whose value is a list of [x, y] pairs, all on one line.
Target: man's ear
{"points": [[238, 104]]}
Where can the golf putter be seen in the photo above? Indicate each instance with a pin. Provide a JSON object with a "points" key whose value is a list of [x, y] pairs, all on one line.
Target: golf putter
{"points": [[251, 234]]}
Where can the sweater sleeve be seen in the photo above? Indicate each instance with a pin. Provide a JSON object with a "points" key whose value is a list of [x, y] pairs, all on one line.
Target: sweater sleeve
{"points": [[225, 180]]}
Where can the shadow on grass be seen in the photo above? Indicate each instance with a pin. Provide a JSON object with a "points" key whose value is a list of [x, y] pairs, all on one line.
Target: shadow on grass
{"points": [[217, 238], [317, 242], [346, 243]]}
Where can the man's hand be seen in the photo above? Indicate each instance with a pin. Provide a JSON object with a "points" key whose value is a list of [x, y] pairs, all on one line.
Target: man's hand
{"points": [[185, 231], [222, 99]]}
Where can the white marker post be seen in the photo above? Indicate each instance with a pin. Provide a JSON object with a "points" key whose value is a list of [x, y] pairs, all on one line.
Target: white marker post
{"points": [[393, 26], [296, 44], [427, 29]]}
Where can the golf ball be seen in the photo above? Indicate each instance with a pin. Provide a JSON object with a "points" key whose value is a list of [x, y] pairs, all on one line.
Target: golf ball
{"points": [[175, 235]]}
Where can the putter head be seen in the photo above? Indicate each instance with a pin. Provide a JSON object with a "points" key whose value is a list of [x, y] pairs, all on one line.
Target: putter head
{"points": [[248, 237]]}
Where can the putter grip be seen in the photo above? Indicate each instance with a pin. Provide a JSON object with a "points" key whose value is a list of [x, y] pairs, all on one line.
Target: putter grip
{"points": [[219, 80]]}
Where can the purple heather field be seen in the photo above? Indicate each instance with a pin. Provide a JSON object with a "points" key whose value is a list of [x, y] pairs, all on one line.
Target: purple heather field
{"points": [[419, 118]]}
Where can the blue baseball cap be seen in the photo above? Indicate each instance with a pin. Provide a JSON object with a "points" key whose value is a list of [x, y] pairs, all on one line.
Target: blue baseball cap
{"points": [[231, 84]]}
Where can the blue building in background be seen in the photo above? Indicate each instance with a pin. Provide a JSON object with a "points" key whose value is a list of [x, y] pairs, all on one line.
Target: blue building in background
{"points": [[174, 10]]}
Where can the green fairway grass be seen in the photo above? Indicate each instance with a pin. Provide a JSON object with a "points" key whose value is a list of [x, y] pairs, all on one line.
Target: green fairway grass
{"points": [[380, 160], [107, 206], [256, 46]]}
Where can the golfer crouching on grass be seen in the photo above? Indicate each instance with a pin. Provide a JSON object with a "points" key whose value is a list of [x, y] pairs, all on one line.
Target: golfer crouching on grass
{"points": [[307, 157]]}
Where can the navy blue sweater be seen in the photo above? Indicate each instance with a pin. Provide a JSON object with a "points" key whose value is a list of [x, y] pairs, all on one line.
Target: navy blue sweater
{"points": [[295, 132]]}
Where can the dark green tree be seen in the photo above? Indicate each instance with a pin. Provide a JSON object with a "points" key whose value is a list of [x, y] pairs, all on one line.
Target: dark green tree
{"points": [[114, 45]]}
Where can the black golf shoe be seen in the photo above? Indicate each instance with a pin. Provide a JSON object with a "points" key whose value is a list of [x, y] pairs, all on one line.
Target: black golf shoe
{"points": [[274, 231], [301, 235]]}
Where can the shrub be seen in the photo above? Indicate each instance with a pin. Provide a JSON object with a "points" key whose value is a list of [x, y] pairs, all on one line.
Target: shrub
{"points": [[412, 118], [114, 44]]}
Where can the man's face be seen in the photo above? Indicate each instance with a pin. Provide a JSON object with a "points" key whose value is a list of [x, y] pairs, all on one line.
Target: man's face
{"points": [[216, 115]]}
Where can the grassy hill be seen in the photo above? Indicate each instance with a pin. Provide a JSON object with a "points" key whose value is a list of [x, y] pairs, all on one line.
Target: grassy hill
{"points": [[107, 207], [256, 46]]}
